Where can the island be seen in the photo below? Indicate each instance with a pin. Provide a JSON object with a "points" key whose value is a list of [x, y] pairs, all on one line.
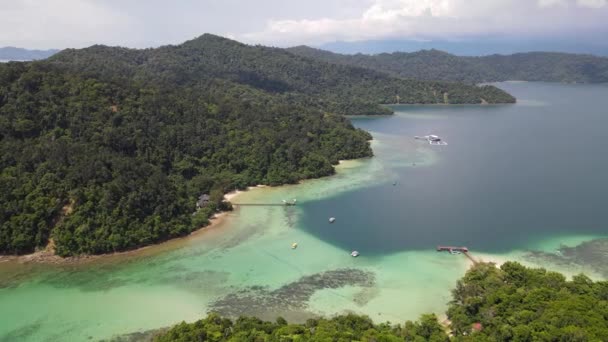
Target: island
{"points": [[107, 149]]}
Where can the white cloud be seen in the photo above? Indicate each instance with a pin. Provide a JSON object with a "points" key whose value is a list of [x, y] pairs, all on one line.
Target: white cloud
{"points": [[389, 10], [592, 3], [551, 3], [419, 19], [139, 23], [46, 24]]}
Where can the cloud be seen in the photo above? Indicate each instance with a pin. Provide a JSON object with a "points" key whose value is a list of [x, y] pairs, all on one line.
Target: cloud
{"points": [[444, 19], [592, 3], [139, 23], [552, 3], [146, 23], [48, 24]]}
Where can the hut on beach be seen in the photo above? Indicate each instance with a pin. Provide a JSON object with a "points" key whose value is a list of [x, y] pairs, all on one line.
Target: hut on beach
{"points": [[203, 201]]}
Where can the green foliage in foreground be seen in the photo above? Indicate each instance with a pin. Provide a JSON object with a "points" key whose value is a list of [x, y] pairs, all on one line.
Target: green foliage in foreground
{"points": [[510, 303], [341, 328], [515, 303]]}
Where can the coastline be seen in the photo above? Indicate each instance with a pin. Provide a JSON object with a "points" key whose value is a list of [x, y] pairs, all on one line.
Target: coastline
{"points": [[46, 256]]}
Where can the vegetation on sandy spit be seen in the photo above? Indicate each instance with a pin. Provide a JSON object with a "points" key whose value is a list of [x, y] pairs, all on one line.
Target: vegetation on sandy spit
{"points": [[342, 328], [439, 65], [510, 303]]}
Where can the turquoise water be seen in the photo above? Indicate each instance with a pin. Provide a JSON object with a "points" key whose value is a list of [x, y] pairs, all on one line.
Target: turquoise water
{"points": [[513, 178]]}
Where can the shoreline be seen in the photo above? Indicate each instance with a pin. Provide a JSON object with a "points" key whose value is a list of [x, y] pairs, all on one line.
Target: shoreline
{"points": [[46, 256]]}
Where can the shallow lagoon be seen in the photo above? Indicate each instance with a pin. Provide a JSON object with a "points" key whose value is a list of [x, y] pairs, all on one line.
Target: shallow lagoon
{"points": [[513, 178]]}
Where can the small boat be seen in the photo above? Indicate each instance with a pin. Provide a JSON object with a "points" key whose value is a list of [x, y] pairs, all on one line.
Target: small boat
{"points": [[354, 254], [332, 219], [455, 252], [435, 140], [432, 139], [290, 203], [294, 245]]}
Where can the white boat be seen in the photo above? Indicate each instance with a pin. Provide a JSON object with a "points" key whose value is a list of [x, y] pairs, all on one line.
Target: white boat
{"points": [[292, 202], [354, 254], [332, 219], [294, 245], [432, 139]]}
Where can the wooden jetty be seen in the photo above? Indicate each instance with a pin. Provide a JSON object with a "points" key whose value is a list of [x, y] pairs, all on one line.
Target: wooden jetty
{"points": [[451, 249], [262, 204], [285, 203]]}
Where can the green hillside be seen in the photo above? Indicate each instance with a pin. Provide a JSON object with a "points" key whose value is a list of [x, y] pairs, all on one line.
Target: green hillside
{"points": [[438, 65]]}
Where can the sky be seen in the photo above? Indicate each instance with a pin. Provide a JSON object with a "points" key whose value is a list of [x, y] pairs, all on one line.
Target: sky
{"points": [[44, 24]]}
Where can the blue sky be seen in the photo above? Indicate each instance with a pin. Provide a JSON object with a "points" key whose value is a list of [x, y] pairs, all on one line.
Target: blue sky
{"points": [[134, 23]]}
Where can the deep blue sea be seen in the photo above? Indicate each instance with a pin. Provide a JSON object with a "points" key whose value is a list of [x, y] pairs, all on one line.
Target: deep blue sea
{"points": [[510, 175]]}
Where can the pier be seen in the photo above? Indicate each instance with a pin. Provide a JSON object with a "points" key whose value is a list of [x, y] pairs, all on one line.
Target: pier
{"points": [[262, 204], [452, 249], [285, 203]]}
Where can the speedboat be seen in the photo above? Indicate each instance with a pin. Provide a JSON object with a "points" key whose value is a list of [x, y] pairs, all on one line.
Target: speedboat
{"points": [[354, 254], [332, 219], [435, 140], [432, 139]]}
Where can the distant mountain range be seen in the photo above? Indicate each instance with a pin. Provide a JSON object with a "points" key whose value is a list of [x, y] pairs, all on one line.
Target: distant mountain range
{"points": [[442, 66], [10, 53], [475, 47]]}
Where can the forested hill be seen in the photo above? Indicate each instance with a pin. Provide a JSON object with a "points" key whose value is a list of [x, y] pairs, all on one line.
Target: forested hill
{"points": [[337, 88], [107, 149], [438, 65]]}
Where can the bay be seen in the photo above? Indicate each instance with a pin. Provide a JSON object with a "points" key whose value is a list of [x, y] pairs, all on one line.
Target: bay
{"points": [[512, 179]]}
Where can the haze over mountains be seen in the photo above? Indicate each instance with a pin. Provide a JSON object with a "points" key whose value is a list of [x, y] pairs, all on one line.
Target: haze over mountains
{"points": [[10, 53], [473, 47]]}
